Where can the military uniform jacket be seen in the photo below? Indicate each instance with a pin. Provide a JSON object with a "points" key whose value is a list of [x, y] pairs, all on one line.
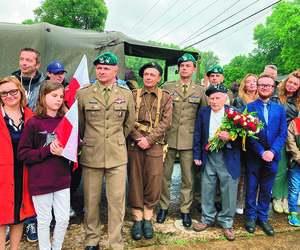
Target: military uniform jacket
{"points": [[104, 127], [165, 116], [181, 134]]}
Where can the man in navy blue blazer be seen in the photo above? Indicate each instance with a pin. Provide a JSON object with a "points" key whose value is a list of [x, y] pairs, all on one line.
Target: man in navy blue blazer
{"points": [[223, 165], [262, 155]]}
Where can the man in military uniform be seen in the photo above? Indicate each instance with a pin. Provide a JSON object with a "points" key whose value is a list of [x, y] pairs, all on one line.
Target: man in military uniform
{"points": [[188, 97], [145, 149], [215, 76], [106, 117]]}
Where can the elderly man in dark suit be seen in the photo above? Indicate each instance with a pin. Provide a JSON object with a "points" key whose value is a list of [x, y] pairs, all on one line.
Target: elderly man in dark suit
{"points": [[263, 154], [224, 164]]}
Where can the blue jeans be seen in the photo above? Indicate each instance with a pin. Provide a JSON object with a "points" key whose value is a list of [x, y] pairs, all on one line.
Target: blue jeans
{"points": [[294, 189]]}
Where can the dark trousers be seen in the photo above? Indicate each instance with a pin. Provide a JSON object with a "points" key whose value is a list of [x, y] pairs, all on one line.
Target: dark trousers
{"points": [[145, 173], [259, 175]]}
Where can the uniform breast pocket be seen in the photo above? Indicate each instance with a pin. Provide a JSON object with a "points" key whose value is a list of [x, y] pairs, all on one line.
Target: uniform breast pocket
{"points": [[194, 100], [92, 111], [120, 110]]}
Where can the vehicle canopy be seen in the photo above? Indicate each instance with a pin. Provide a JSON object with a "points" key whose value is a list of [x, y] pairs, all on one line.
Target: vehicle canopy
{"points": [[68, 45]]}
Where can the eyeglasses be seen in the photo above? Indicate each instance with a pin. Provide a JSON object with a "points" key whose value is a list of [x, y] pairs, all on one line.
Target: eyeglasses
{"points": [[11, 92], [263, 86]]}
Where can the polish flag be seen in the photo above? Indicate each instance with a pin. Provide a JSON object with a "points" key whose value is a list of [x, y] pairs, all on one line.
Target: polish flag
{"points": [[67, 133], [80, 78]]}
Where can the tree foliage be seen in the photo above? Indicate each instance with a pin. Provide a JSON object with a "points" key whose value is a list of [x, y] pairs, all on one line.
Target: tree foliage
{"points": [[79, 14], [278, 43]]}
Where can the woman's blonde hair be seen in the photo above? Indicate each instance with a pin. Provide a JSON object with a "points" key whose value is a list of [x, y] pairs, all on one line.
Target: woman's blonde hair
{"points": [[41, 108], [282, 94], [243, 92], [15, 80]]}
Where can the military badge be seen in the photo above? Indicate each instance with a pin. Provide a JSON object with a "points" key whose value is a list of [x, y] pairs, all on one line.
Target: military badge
{"points": [[120, 101]]}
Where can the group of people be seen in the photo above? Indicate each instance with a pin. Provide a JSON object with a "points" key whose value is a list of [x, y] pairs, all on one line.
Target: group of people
{"points": [[136, 136]]}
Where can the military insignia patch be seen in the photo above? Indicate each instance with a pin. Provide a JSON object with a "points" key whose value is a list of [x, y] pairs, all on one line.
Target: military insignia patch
{"points": [[120, 101]]}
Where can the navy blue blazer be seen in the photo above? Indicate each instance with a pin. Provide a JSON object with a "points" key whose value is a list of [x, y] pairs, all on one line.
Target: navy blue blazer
{"points": [[273, 136], [231, 150]]}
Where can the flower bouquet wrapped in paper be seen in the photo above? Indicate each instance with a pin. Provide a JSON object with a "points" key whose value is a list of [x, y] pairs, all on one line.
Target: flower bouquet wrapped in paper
{"points": [[236, 124]]}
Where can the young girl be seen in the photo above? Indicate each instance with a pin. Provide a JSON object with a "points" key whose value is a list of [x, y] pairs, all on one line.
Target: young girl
{"points": [[49, 173]]}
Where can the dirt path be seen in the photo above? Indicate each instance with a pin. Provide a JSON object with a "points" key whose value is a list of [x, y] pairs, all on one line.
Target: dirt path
{"points": [[172, 234]]}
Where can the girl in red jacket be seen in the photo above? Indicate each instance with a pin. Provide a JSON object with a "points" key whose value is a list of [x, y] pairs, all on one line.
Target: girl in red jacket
{"points": [[49, 173], [15, 202]]}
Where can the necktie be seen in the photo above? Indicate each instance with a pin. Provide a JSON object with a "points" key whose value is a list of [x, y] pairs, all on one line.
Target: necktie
{"points": [[266, 114], [106, 94], [184, 89]]}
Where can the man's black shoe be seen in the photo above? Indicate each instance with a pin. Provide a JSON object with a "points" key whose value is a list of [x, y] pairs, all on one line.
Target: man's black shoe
{"points": [[250, 225], [186, 219], [161, 217], [136, 232], [92, 247], [148, 229], [265, 225], [218, 206], [199, 207]]}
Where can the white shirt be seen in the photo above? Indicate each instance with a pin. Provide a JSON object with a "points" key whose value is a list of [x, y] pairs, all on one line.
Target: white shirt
{"points": [[215, 121]]}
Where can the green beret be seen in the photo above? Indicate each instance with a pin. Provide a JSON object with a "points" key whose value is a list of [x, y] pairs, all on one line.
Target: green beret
{"points": [[154, 65], [186, 58], [216, 70], [106, 58], [216, 88]]}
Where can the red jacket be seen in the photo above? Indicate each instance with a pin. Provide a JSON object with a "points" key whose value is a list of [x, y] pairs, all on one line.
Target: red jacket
{"points": [[7, 177]]}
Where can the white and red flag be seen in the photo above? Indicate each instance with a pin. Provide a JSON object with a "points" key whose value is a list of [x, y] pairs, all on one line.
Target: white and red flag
{"points": [[80, 78], [67, 133]]}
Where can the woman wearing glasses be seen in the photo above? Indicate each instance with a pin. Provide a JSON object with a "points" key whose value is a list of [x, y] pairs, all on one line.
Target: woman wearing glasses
{"points": [[15, 202], [289, 96]]}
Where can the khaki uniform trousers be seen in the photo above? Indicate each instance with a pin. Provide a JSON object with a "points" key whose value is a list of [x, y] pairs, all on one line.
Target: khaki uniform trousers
{"points": [[145, 171], [115, 181], [187, 179]]}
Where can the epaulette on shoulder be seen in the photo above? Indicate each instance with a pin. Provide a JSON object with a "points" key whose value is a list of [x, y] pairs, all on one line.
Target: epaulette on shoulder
{"points": [[199, 84], [86, 86], [169, 83], [123, 87]]}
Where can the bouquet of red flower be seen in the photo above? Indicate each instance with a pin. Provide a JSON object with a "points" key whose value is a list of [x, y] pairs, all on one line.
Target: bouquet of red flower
{"points": [[236, 124]]}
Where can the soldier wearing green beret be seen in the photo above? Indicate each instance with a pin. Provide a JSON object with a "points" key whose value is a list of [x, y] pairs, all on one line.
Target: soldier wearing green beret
{"points": [[215, 76], [106, 117], [188, 97]]}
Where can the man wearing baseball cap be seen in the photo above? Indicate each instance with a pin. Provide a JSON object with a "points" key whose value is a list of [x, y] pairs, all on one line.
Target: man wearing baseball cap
{"points": [[223, 165], [106, 117], [145, 149], [56, 72], [187, 98]]}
